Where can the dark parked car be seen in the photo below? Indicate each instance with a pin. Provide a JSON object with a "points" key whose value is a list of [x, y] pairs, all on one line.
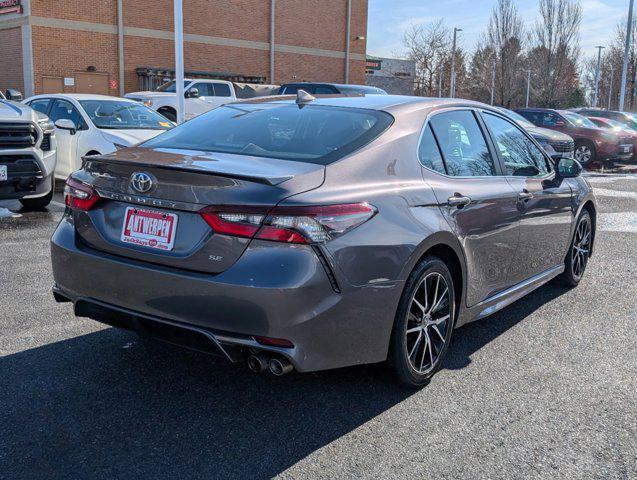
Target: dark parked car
{"points": [[591, 142], [628, 119], [329, 89], [556, 144], [617, 127], [349, 231]]}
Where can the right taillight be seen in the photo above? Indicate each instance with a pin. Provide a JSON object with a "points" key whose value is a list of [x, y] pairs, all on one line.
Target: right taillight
{"points": [[79, 195], [302, 224]]}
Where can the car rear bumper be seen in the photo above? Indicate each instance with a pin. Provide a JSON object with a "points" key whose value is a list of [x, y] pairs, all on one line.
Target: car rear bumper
{"points": [[273, 290]]}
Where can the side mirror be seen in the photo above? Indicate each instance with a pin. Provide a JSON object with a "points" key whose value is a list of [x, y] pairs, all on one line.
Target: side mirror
{"points": [[560, 123], [192, 93], [66, 124], [568, 168], [14, 95]]}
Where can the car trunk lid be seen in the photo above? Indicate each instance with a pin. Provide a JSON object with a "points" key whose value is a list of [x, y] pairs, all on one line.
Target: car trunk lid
{"points": [[183, 182]]}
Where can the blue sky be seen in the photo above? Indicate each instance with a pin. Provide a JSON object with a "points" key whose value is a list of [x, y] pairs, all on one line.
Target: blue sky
{"points": [[388, 20]]}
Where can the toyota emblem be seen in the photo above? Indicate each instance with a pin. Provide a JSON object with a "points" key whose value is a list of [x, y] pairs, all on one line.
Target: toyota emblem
{"points": [[141, 182]]}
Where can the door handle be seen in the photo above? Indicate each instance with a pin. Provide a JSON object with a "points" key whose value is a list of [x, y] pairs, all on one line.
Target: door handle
{"points": [[525, 195], [458, 201]]}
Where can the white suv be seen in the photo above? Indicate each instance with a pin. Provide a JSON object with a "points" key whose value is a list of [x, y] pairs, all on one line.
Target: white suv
{"points": [[27, 155], [201, 95]]}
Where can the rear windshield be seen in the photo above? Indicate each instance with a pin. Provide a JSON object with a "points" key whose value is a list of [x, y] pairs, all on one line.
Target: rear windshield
{"points": [[312, 133]]}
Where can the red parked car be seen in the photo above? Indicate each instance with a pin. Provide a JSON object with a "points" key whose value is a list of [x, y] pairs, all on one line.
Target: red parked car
{"points": [[617, 127], [591, 142]]}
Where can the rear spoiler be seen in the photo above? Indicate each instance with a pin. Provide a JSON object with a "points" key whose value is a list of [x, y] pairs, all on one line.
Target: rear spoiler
{"points": [[216, 170]]}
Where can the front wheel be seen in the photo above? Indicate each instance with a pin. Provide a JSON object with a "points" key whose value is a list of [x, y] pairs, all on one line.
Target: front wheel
{"points": [[423, 324], [579, 251], [585, 153]]}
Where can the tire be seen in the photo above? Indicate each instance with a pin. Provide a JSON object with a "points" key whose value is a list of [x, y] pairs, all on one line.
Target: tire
{"points": [[578, 251], [417, 355], [169, 113], [585, 152], [40, 202]]}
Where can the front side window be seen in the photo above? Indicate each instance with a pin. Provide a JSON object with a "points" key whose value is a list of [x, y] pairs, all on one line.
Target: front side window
{"points": [[204, 89], [63, 109], [520, 155], [114, 114], [534, 117], [463, 146], [40, 105], [550, 119], [313, 134]]}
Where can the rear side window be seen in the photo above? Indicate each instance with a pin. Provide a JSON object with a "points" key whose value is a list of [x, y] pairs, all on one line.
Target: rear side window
{"points": [[222, 90], [520, 155], [462, 143], [534, 117], [314, 133], [428, 152]]}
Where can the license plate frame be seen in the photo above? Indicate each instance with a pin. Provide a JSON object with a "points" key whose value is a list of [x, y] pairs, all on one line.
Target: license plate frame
{"points": [[149, 228]]}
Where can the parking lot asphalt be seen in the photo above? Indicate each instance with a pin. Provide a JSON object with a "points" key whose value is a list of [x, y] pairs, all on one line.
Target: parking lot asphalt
{"points": [[546, 388]]}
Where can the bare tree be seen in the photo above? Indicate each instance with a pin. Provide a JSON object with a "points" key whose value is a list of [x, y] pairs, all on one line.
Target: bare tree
{"points": [[554, 51], [504, 37], [429, 47]]}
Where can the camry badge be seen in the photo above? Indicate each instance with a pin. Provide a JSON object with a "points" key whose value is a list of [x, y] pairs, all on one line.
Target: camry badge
{"points": [[141, 182]]}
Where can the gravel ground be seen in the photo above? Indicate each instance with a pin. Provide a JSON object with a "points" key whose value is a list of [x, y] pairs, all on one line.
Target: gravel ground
{"points": [[546, 388]]}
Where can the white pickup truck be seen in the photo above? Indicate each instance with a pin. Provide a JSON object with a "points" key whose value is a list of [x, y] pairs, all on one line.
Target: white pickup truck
{"points": [[201, 96]]}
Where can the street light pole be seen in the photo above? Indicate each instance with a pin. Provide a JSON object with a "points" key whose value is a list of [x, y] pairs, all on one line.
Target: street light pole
{"points": [[452, 86], [493, 81], [179, 60], [440, 82], [599, 61], [610, 86], [629, 29], [528, 87]]}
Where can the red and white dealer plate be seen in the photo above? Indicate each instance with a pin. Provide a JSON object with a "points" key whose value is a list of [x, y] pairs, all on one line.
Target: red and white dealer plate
{"points": [[149, 228]]}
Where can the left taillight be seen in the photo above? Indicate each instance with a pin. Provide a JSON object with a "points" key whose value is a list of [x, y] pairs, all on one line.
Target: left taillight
{"points": [[299, 224], [79, 195]]}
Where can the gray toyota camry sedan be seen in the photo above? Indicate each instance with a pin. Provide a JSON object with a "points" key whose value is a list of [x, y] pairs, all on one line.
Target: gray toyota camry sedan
{"points": [[302, 233]]}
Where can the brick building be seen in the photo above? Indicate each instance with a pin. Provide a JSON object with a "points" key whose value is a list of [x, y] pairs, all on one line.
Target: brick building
{"points": [[112, 46]]}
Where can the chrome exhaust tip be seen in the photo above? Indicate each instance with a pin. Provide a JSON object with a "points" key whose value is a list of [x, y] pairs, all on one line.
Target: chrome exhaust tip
{"points": [[258, 362], [280, 366]]}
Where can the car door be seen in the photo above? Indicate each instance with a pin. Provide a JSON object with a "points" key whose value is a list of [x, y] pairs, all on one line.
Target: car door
{"points": [[477, 201], [67, 160], [198, 105], [544, 203]]}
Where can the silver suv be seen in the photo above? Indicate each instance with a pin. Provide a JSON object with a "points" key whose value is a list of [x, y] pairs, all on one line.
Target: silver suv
{"points": [[27, 155]]}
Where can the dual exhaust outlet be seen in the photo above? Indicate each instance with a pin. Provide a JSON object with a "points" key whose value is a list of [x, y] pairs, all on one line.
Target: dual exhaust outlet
{"points": [[258, 362]]}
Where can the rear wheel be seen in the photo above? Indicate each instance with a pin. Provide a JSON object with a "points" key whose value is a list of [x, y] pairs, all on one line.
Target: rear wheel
{"points": [[579, 252], [585, 152], [423, 324], [40, 202]]}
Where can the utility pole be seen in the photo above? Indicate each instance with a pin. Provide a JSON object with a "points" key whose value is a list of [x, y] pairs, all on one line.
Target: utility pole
{"points": [[599, 61], [179, 60], [493, 81], [528, 87], [452, 86], [610, 86], [629, 28]]}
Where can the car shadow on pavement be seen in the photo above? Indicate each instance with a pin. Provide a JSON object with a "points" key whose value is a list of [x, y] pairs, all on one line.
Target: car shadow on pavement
{"points": [[107, 405], [470, 338]]}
